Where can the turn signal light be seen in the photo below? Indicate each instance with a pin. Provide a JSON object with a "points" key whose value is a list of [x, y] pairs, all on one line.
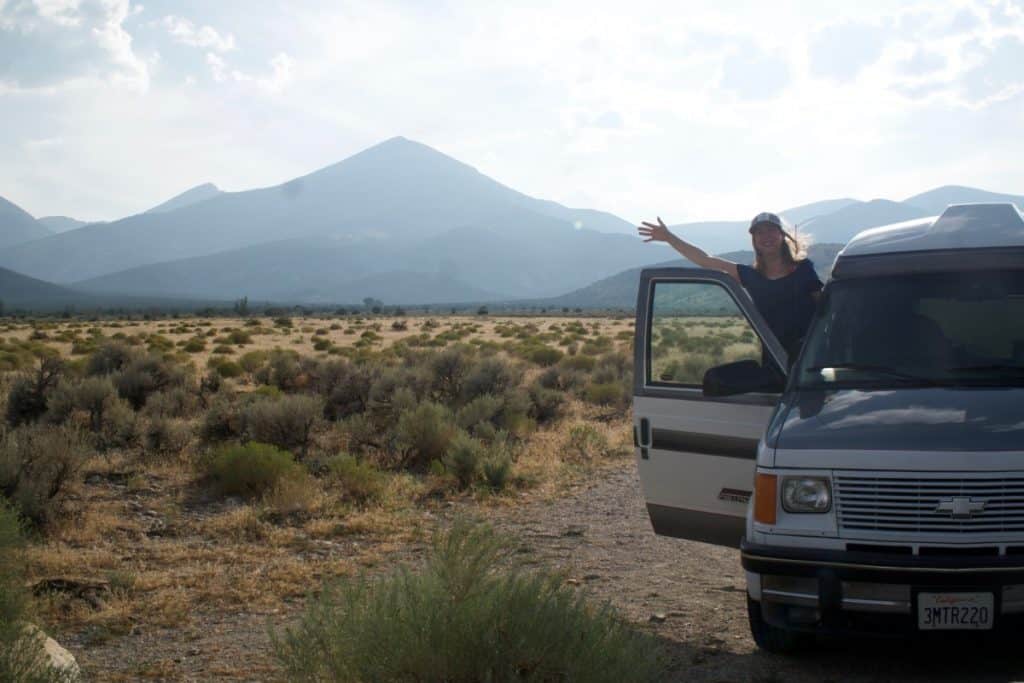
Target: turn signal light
{"points": [[766, 496]]}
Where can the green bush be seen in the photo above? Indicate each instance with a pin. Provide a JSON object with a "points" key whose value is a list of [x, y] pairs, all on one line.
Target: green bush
{"points": [[490, 376], [229, 369], [605, 394], [162, 435], [27, 399], [194, 345], [22, 657], [359, 480], [545, 355], [287, 422], [546, 405], [222, 420], [497, 467], [586, 442], [463, 617], [37, 465], [424, 434], [464, 458], [109, 358], [251, 470], [145, 376]]}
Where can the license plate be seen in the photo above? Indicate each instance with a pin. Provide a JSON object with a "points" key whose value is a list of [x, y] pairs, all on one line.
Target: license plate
{"points": [[955, 611]]}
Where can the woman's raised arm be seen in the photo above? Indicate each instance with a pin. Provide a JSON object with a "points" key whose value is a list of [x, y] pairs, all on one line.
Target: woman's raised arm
{"points": [[661, 233]]}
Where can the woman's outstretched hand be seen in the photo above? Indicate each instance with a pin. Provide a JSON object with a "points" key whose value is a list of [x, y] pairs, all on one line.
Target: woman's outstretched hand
{"points": [[654, 233]]}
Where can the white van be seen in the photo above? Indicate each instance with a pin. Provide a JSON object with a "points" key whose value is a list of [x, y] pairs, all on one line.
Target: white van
{"points": [[876, 485]]}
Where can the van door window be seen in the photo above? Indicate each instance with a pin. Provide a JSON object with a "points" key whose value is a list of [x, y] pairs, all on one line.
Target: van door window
{"points": [[695, 326]]}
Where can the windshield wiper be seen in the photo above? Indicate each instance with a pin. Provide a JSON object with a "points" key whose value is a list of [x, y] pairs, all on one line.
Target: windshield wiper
{"points": [[876, 369]]}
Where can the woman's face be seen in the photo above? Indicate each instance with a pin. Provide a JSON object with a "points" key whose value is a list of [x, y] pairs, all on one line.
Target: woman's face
{"points": [[766, 238]]}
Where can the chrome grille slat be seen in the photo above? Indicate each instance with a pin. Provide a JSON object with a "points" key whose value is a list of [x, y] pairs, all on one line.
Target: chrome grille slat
{"points": [[901, 504]]}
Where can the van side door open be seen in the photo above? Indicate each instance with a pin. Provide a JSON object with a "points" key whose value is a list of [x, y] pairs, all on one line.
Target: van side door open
{"points": [[708, 375]]}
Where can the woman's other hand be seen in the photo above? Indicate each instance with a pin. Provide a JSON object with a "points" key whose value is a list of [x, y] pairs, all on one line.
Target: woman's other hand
{"points": [[654, 233]]}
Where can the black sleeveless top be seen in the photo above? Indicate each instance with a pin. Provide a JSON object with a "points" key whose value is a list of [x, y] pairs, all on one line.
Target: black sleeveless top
{"points": [[785, 303]]}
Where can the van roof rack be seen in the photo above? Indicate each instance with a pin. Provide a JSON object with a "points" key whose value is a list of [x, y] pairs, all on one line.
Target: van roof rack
{"points": [[961, 226]]}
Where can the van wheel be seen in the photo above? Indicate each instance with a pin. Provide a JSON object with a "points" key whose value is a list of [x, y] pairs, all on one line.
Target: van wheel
{"points": [[772, 638]]}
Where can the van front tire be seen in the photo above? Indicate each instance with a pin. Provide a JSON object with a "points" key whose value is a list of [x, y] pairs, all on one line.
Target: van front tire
{"points": [[772, 638]]}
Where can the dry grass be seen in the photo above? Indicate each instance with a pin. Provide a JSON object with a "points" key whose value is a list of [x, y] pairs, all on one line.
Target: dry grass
{"points": [[174, 555]]}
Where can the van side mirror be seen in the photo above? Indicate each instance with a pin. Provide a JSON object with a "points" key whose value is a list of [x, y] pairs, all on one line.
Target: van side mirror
{"points": [[741, 377]]}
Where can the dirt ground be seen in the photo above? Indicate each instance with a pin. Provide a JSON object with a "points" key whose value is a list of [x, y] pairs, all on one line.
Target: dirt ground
{"points": [[599, 535]]}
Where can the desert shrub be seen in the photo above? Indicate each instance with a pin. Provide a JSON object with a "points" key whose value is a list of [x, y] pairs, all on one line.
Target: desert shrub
{"points": [[93, 396], [252, 361], [222, 420], [360, 432], [321, 344], [176, 403], [586, 442], [251, 470], [350, 395], [424, 434], [228, 369], [497, 467], [359, 480], [194, 345], [145, 376], [485, 408], [109, 358], [22, 657], [162, 435], [287, 422], [584, 363], [545, 404], [464, 458], [293, 496], [282, 370], [119, 428], [544, 355], [605, 394], [449, 369], [26, 401], [464, 617], [400, 326], [38, 463], [223, 350], [490, 376]]}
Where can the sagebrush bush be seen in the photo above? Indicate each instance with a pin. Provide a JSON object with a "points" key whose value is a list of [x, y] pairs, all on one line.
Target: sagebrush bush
{"points": [[463, 617], [484, 408], [252, 469], [464, 458], [287, 422], [27, 399], [162, 435], [544, 355], [38, 463], [359, 480], [22, 657], [497, 466], [490, 376], [146, 375], [109, 358], [222, 420], [173, 403], [606, 394], [424, 434], [546, 404], [449, 368], [586, 442]]}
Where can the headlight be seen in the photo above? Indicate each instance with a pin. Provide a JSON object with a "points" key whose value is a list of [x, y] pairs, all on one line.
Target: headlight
{"points": [[806, 494]]}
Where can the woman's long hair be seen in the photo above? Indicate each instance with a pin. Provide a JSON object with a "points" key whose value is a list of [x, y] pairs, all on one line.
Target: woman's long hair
{"points": [[793, 249]]}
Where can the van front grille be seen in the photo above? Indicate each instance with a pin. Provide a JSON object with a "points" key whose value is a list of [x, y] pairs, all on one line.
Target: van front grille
{"points": [[983, 504]]}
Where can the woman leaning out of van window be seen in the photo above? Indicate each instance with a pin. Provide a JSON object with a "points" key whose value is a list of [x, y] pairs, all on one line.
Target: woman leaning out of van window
{"points": [[782, 281]]}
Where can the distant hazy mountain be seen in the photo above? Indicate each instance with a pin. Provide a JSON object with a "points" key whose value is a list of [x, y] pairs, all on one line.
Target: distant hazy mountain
{"points": [[799, 214], [839, 227], [935, 201], [399, 191], [19, 290], [619, 290], [58, 224], [538, 257], [17, 225], [197, 194]]}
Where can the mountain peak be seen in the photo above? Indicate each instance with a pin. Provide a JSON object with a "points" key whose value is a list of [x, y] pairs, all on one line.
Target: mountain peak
{"points": [[194, 195]]}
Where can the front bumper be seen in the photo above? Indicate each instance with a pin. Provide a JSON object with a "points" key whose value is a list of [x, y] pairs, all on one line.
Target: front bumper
{"points": [[842, 592]]}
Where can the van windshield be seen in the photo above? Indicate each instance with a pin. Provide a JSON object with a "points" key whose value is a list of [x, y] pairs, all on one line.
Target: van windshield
{"points": [[934, 329]]}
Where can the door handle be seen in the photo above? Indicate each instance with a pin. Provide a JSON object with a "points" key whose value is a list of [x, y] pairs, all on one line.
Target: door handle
{"points": [[645, 438]]}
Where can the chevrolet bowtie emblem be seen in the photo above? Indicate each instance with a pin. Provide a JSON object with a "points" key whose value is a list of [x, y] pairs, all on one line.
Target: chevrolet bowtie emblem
{"points": [[960, 507]]}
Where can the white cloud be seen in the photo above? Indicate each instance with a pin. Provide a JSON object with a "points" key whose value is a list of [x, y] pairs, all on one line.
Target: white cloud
{"points": [[187, 33], [52, 43]]}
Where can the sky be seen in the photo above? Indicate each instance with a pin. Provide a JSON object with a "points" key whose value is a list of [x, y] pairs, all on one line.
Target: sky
{"points": [[688, 110]]}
